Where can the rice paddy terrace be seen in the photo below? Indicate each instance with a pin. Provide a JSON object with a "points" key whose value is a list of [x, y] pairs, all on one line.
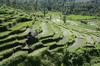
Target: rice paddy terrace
{"points": [[27, 40]]}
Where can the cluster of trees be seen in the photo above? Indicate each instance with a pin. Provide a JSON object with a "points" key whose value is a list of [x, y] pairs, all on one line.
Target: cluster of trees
{"points": [[83, 8]]}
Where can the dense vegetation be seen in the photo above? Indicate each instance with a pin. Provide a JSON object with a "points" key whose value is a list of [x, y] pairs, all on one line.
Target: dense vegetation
{"points": [[49, 33], [83, 8]]}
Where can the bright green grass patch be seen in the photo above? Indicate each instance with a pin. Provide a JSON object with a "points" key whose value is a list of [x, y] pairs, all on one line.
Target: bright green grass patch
{"points": [[9, 43], [50, 31], [21, 25], [5, 52], [78, 17], [13, 36], [88, 27], [5, 33], [54, 13], [6, 23], [38, 13], [48, 13]]}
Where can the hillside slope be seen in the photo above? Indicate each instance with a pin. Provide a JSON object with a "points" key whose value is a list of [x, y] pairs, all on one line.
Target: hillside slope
{"points": [[27, 40]]}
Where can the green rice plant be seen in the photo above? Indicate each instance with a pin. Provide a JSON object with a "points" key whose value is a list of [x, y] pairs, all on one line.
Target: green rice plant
{"points": [[56, 29], [23, 40], [49, 33], [71, 39], [79, 17], [57, 49], [23, 29], [6, 23], [6, 52], [49, 44], [38, 52], [33, 46], [1, 57], [39, 27], [14, 36], [9, 43], [6, 33], [21, 35], [58, 34], [21, 25]]}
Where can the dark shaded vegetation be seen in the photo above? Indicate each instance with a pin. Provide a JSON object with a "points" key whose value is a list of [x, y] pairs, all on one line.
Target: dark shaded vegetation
{"points": [[55, 46], [23, 19], [50, 40], [9, 46], [31, 40], [84, 8], [63, 57]]}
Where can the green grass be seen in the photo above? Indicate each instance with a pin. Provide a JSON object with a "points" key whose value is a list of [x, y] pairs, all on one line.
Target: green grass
{"points": [[9, 43], [6, 23], [38, 13], [50, 31], [5, 52], [5, 33], [21, 25], [57, 14], [78, 17], [22, 40], [13, 36]]}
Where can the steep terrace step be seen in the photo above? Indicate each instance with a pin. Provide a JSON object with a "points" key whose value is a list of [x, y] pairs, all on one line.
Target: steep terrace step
{"points": [[39, 51], [38, 26], [21, 25], [37, 45], [53, 45], [7, 11], [57, 36], [89, 39], [58, 32], [13, 37], [4, 45], [66, 36], [58, 49], [10, 23], [49, 44], [6, 17], [12, 44], [47, 31], [4, 34], [96, 38], [78, 43], [7, 53]]}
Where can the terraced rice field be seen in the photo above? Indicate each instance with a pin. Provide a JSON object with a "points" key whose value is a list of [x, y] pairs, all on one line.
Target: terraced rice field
{"points": [[21, 35]]}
